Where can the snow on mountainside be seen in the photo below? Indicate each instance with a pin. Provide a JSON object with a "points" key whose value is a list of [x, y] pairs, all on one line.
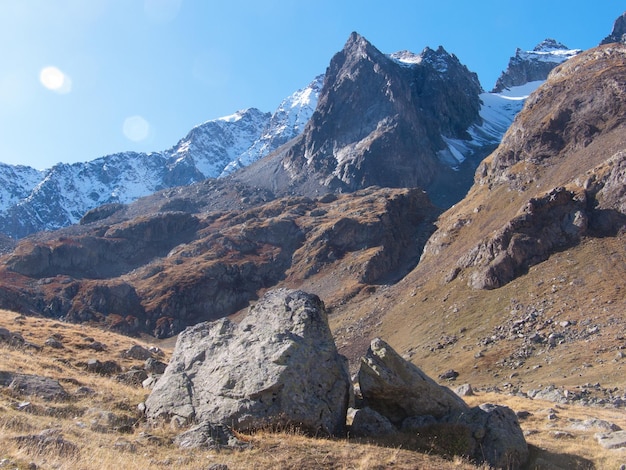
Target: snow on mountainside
{"points": [[16, 181], [33, 200], [497, 113], [287, 122], [211, 146], [529, 66]]}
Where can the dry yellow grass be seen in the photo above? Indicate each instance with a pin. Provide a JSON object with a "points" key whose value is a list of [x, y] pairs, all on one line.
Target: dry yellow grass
{"points": [[84, 438]]}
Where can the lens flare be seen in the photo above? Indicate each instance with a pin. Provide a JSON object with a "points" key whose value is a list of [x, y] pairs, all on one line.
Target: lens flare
{"points": [[56, 80], [136, 128]]}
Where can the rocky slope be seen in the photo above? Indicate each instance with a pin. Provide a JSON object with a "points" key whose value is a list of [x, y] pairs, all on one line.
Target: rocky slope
{"points": [[159, 273]]}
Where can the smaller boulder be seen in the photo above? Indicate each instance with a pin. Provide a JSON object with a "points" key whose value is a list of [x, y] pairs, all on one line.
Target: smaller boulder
{"points": [[5, 335], [398, 389], [48, 441], [365, 422], [153, 366], [449, 375], [209, 436], [133, 377], [137, 352], [464, 390], [33, 385], [612, 440], [53, 343], [499, 439]]}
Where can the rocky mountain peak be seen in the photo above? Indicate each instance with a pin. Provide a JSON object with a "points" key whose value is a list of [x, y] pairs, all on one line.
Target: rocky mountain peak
{"points": [[359, 47], [619, 31], [381, 119], [535, 65], [548, 45], [561, 157]]}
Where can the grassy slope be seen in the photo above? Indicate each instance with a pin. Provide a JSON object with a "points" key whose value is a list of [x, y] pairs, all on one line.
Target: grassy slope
{"points": [[145, 447]]}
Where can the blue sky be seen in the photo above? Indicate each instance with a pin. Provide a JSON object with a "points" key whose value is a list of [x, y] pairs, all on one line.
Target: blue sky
{"points": [[80, 79]]}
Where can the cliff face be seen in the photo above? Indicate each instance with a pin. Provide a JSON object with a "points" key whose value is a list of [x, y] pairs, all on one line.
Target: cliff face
{"points": [[381, 120], [619, 31], [161, 272]]}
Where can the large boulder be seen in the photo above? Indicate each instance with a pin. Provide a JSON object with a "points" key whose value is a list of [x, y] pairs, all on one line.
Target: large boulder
{"points": [[398, 389], [278, 367]]}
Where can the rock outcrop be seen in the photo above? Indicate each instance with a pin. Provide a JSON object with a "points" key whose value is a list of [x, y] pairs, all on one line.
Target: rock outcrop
{"points": [[619, 31], [398, 389], [160, 273], [394, 392], [278, 367]]}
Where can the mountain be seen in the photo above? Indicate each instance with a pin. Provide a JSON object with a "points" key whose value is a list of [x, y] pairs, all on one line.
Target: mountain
{"points": [[32, 200], [287, 122], [333, 198], [619, 31], [427, 107], [399, 120], [530, 66]]}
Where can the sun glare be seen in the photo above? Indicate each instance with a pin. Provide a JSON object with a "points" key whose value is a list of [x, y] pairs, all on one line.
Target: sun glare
{"points": [[136, 128], [54, 79]]}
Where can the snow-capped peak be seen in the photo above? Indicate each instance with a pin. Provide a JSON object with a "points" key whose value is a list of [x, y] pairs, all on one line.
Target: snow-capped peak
{"points": [[547, 50], [233, 117], [286, 122]]}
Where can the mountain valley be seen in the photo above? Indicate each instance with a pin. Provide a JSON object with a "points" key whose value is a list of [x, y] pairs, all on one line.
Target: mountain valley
{"points": [[481, 234]]}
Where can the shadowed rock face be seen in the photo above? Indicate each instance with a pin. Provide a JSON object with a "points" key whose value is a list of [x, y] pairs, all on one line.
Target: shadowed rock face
{"points": [[159, 273], [380, 121], [278, 367], [398, 389], [396, 394], [619, 31]]}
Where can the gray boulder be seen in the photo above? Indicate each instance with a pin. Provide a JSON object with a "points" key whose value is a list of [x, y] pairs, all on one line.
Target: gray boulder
{"points": [[33, 385], [279, 366], [612, 440], [137, 352], [398, 389], [209, 436], [497, 436], [402, 393], [365, 422]]}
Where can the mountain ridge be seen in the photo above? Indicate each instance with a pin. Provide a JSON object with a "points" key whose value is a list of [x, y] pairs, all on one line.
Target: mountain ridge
{"points": [[34, 200]]}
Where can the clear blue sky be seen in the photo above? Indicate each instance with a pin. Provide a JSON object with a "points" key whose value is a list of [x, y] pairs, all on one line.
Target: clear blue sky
{"points": [[80, 79]]}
